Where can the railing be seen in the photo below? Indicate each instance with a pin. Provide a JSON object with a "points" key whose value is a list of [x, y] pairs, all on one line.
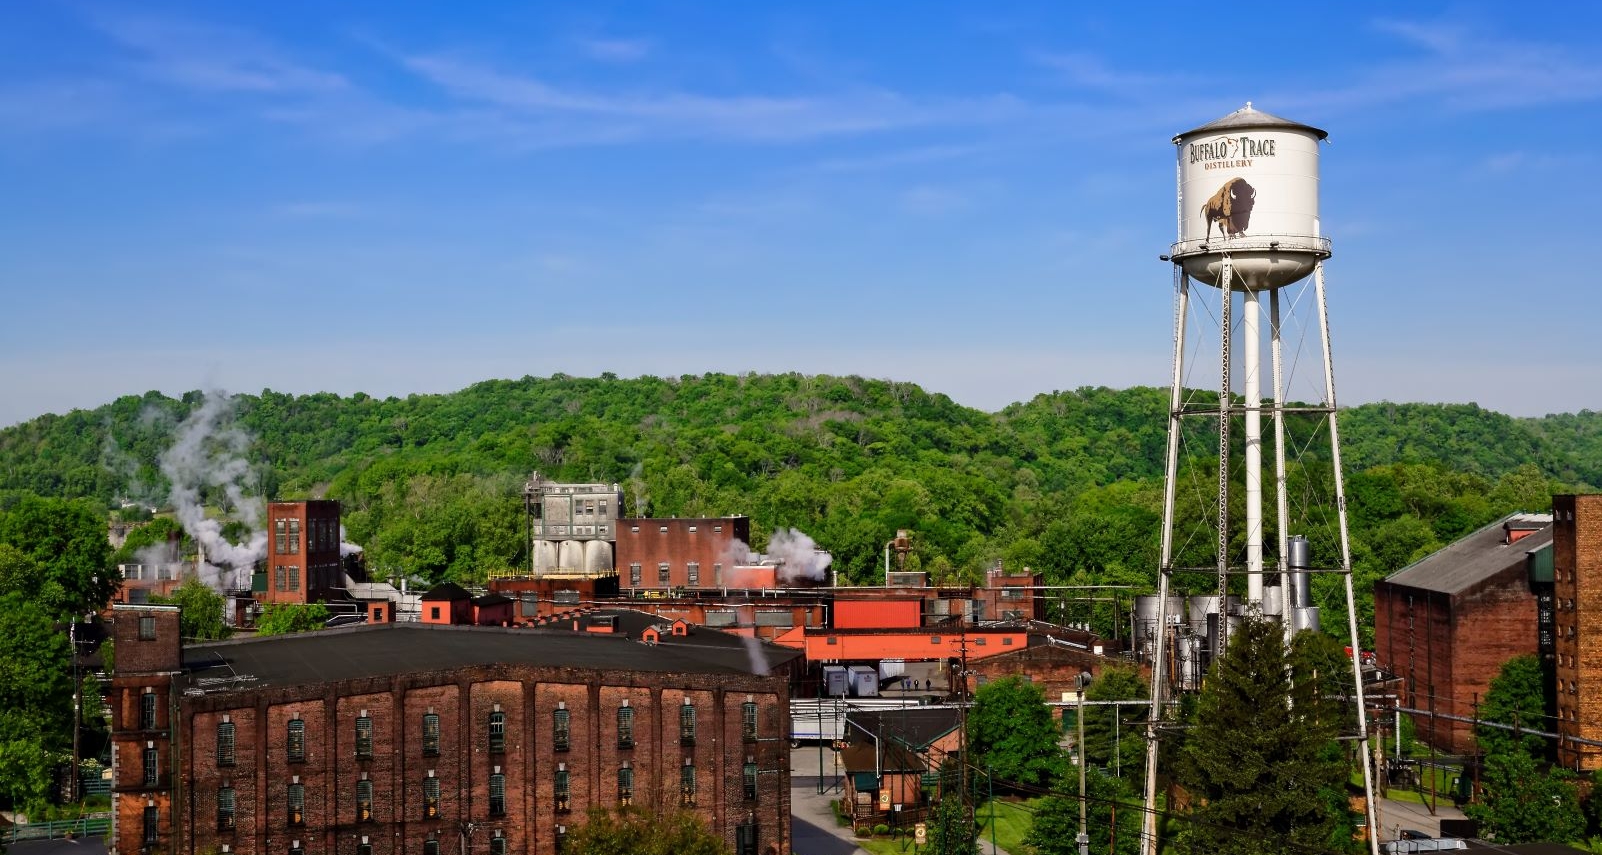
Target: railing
{"points": [[95, 826], [1314, 244]]}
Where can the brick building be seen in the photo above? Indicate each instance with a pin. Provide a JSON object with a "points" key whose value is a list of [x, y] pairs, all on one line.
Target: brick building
{"points": [[1446, 623], [303, 561], [1577, 590], [413, 739], [655, 554]]}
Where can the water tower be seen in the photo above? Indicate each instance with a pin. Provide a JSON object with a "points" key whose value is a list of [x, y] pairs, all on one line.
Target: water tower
{"points": [[1249, 229]]}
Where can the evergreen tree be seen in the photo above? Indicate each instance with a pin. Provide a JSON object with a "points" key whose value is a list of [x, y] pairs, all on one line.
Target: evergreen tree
{"points": [[1259, 766]]}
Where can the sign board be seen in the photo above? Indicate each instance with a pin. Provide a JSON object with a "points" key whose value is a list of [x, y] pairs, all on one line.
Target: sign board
{"points": [[920, 834], [884, 799]]}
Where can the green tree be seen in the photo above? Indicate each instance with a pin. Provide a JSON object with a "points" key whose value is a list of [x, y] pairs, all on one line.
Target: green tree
{"points": [[67, 539], [160, 531], [35, 698], [1113, 733], [284, 618], [1110, 826], [637, 832], [1011, 733], [952, 830], [1259, 767], [201, 618], [19, 573], [1524, 804], [1516, 697]]}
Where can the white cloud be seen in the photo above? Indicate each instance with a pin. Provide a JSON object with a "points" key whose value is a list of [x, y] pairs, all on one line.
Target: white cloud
{"points": [[212, 59], [616, 50]]}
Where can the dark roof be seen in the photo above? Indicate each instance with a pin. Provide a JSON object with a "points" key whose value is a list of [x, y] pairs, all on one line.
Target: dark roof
{"points": [[491, 600], [915, 727], [1475, 558], [864, 757], [1246, 118], [448, 591], [390, 649]]}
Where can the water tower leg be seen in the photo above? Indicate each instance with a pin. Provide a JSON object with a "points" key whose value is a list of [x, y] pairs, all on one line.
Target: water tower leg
{"points": [[1159, 687], [1346, 564], [1251, 351]]}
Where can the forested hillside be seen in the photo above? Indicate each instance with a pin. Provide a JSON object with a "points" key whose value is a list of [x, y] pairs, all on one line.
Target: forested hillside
{"points": [[1069, 482]]}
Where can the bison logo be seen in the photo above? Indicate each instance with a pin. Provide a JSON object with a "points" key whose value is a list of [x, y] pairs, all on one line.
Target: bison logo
{"points": [[1230, 208]]}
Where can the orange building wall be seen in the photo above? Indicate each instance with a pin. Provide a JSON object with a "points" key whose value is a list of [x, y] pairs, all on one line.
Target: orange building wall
{"points": [[823, 646], [878, 614]]}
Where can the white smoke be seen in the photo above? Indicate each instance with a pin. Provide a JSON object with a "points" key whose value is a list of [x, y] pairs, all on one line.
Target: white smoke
{"points": [[797, 556], [346, 548], [208, 451], [753, 649]]}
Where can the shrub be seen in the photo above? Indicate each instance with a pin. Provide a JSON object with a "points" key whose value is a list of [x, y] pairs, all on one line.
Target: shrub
{"points": [[864, 831], [881, 828]]}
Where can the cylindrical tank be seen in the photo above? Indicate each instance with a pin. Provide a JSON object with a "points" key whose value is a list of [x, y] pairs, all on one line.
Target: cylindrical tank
{"points": [[1298, 558], [597, 557], [1202, 605], [1248, 188], [1305, 618], [545, 556], [570, 557], [1273, 601], [1144, 618]]}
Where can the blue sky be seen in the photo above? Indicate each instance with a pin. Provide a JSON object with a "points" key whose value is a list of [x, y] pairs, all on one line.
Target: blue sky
{"points": [[399, 198]]}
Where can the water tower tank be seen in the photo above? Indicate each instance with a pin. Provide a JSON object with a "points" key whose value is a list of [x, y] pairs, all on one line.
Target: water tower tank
{"points": [[1248, 188]]}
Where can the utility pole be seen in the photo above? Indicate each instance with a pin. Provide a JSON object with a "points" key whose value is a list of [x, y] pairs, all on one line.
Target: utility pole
{"points": [[1084, 838], [77, 714]]}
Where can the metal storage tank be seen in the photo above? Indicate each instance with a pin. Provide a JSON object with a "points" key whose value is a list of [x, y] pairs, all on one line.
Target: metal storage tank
{"points": [[1305, 617], [545, 556], [1144, 618], [597, 557], [1248, 186], [570, 556], [1273, 603]]}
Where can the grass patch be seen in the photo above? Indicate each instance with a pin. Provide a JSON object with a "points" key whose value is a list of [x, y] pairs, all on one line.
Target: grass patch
{"points": [[1012, 821]]}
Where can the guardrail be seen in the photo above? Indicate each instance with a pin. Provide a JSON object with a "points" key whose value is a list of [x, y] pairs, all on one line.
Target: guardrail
{"points": [[95, 826]]}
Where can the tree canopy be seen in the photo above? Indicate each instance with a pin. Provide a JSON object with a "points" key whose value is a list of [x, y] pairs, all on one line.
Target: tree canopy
{"points": [[201, 618], [1012, 734], [35, 698], [1067, 483], [1517, 698], [66, 540], [1114, 734], [284, 618], [637, 832]]}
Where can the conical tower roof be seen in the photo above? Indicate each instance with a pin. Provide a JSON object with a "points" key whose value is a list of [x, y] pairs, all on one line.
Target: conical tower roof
{"points": [[1246, 118]]}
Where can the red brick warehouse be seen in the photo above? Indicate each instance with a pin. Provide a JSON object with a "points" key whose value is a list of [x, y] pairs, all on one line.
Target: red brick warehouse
{"points": [[400, 739]]}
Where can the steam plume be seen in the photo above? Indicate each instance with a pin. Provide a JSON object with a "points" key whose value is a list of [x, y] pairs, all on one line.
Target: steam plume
{"points": [[797, 556], [208, 451]]}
